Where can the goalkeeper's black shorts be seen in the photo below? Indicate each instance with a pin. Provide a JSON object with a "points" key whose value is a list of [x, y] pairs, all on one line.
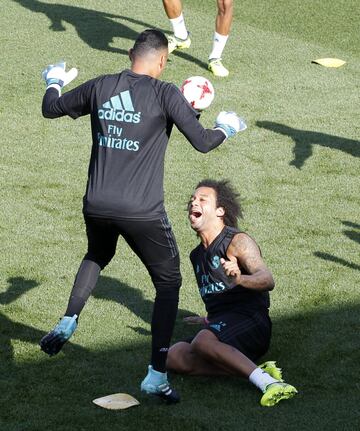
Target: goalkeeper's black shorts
{"points": [[152, 241]]}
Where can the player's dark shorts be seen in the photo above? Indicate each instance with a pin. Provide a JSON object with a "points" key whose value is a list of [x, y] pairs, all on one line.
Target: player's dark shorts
{"points": [[250, 333], [153, 242]]}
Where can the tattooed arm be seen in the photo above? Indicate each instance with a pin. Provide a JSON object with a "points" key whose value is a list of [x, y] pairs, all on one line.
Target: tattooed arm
{"points": [[243, 252]]}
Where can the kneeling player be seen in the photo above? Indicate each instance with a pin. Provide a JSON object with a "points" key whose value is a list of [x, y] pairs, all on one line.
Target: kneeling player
{"points": [[234, 284]]}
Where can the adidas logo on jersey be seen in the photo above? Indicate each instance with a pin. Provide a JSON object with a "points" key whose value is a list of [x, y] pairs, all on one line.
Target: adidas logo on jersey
{"points": [[120, 108]]}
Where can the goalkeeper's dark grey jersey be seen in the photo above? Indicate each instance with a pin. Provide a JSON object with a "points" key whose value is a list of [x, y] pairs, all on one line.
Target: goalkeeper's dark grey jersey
{"points": [[131, 120], [217, 290]]}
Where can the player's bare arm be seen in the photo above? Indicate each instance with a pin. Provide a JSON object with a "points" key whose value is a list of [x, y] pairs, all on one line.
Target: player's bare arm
{"points": [[243, 252]]}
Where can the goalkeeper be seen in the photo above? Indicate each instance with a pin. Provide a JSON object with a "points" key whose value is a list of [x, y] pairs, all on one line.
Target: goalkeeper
{"points": [[234, 284], [132, 114]]}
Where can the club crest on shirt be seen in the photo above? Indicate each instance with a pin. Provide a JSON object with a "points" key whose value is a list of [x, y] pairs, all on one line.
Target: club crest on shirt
{"points": [[215, 262]]}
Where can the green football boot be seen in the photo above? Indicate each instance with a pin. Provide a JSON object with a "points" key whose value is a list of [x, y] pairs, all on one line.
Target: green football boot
{"points": [[276, 392], [217, 68], [271, 368], [176, 43]]}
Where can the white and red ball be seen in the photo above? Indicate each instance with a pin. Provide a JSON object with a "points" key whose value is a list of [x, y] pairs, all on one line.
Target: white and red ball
{"points": [[198, 91]]}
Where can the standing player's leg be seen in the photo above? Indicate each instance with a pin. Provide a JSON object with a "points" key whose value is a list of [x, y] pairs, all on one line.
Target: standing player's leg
{"points": [[155, 244], [180, 39], [102, 239], [222, 30]]}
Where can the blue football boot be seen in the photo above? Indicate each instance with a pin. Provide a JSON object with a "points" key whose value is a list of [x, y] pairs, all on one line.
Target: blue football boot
{"points": [[55, 339], [156, 383]]}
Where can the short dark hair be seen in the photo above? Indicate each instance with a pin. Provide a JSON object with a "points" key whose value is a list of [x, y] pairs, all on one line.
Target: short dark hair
{"points": [[148, 40], [227, 198]]}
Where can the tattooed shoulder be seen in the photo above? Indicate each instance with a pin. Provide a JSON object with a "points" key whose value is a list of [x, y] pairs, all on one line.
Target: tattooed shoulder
{"points": [[241, 243]]}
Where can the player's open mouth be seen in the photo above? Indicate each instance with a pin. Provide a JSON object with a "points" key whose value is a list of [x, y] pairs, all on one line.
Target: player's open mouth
{"points": [[194, 215]]}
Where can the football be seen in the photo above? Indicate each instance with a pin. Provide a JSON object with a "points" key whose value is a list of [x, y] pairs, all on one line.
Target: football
{"points": [[198, 91]]}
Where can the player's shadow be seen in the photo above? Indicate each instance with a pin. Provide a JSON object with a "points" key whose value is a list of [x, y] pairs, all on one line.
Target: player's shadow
{"points": [[354, 235], [97, 29], [10, 330], [305, 140], [18, 286], [110, 289]]}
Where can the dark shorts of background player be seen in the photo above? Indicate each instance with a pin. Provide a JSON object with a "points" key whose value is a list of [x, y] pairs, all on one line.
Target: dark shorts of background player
{"points": [[248, 332], [152, 241]]}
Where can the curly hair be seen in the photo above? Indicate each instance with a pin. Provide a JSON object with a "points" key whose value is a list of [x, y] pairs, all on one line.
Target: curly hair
{"points": [[227, 198]]}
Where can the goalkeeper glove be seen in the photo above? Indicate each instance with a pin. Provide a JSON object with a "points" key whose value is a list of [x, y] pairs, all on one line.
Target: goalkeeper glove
{"points": [[56, 77], [229, 123]]}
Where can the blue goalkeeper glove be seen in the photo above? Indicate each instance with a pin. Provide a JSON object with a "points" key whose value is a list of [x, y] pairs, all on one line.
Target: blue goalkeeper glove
{"points": [[229, 123], [55, 75]]}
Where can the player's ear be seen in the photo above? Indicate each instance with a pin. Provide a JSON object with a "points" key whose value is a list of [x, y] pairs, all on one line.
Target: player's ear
{"points": [[220, 212], [130, 53], [163, 61]]}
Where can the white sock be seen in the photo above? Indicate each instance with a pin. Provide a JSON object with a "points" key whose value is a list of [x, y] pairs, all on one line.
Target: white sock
{"points": [[218, 45], [261, 379], [179, 27]]}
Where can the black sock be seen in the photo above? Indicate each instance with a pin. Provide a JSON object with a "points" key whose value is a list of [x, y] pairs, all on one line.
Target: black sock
{"points": [[85, 282], [162, 326]]}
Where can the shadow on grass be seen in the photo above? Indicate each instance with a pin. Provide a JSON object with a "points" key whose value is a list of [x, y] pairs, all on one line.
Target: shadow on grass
{"points": [[97, 29], [110, 289], [319, 351], [305, 139], [354, 235], [10, 330], [18, 286], [107, 288]]}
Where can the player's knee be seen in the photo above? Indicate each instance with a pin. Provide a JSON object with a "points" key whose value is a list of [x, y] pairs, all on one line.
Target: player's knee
{"points": [[166, 273], [172, 281], [168, 285], [225, 7], [179, 358], [102, 259], [167, 291], [202, 342]]}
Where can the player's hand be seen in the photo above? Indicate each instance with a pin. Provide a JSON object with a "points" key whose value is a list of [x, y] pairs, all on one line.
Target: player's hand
{"points": [[231, 267], [229, 123], [56, 76], [195, 320]]}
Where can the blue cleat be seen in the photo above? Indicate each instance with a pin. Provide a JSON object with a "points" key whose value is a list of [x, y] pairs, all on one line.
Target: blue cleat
{"points": [[156, 383], [55, 339]]}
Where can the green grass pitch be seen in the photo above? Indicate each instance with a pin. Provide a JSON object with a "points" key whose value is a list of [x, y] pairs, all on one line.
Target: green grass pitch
{"points": [[297, 168]]}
